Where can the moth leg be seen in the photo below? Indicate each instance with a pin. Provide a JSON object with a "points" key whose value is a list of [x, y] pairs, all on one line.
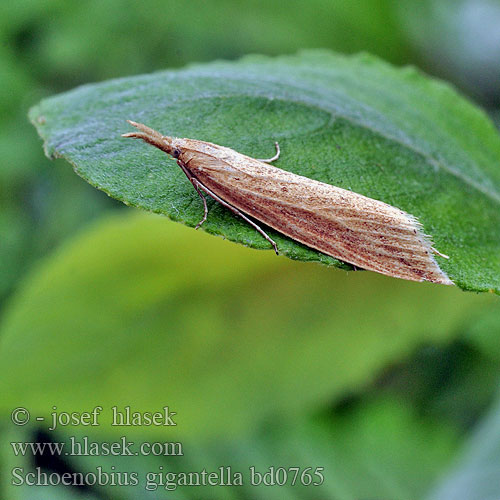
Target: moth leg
{"points": [[196, 183], [274, 158], [439, 253], [205, 208]]}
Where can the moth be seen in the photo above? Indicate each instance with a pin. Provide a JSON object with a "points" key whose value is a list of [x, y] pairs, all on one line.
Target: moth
{"points": [[362, 231]]}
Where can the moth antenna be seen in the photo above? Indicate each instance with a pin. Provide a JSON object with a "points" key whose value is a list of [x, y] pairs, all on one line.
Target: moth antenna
{"points": [[150, 136], [144, 128]]}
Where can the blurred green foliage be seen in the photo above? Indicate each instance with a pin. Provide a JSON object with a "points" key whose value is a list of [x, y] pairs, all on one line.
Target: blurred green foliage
{"points": [[379, 449], [476, 475], [121, 283], [249, 376], [397, 416], [458, 40]]}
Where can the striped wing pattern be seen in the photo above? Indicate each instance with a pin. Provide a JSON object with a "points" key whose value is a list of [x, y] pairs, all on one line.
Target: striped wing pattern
{"points": [[348, 226]]}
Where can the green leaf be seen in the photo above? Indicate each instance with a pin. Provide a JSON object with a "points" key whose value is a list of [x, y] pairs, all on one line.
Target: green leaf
{"points": [[496, 117], [136, 311], [354, 122]]}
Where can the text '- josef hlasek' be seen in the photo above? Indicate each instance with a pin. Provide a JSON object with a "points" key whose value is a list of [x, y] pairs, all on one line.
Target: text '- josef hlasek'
{"points": [[116, 417]]}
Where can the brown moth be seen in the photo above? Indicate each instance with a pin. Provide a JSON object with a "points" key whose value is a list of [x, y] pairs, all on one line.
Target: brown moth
{"points": [[348, 226]]}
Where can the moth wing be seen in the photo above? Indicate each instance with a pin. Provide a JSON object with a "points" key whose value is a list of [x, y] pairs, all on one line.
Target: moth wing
{"points": [[348, 226]]}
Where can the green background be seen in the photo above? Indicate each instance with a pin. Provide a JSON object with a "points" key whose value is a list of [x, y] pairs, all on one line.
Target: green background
{"points": [[391, 386]]}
